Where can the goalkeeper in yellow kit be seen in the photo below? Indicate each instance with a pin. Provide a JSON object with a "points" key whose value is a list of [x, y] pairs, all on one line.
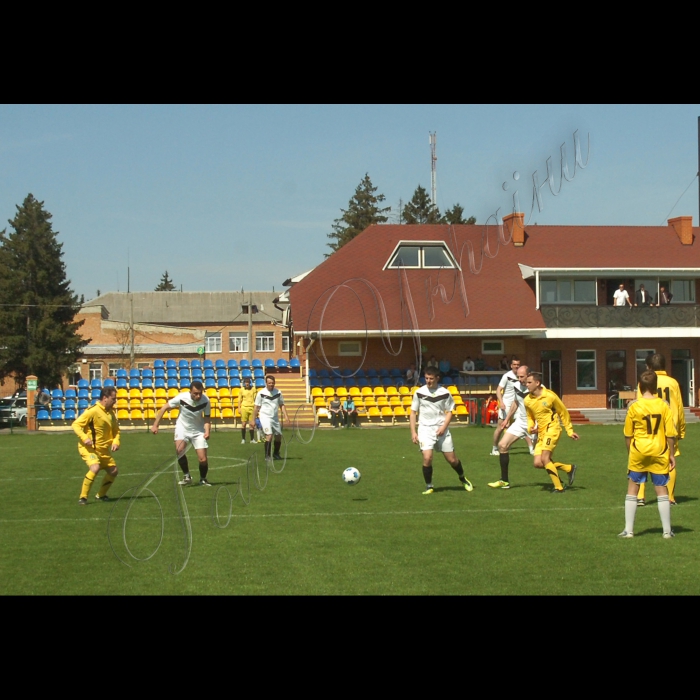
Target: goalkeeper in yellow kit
{"points": [[98, 430], [667, 389]]}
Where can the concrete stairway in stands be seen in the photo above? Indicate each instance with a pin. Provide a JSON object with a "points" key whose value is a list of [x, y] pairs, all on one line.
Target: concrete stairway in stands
{"points": [[578, 418], [293, 389]]}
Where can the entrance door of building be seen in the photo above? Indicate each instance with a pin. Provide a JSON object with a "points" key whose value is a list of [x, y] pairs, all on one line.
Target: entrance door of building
{"points": [[551, 370], [683, 371], [615, 370]]}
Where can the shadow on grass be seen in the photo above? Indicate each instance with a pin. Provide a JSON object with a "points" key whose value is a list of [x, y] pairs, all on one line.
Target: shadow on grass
{"points": [[657, 531]]}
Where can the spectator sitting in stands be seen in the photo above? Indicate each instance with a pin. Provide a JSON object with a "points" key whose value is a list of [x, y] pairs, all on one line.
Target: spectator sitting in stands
{"points": [[664, 297], [444, 367], [491, 410], [412, 375], [642, 297], [468, 364], [505, 365], [479, 365], [432, 362], [335, 409], [350, 412]]}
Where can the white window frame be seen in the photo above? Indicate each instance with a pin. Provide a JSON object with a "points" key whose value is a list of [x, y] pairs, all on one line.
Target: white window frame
{"points": [[594, 360], [497, 350], [212, 343], [421, 245], [285, 343], [572, 281], [95, 371], [244, 341], [350, 348], [114, 367], [675, 299], [261, 346]]}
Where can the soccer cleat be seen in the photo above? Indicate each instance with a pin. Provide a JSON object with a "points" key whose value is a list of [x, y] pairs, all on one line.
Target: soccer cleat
{"points": [[500, 484], [532, 450], [276, 456], [429, 490], [254, 442], [673, 503], [102, 498], [494, 452], [243, 441], [572, 474], [669, 535], [640, 502], [557, 490], [82, 501], [187, 479], [627, 535], [204, 482], [467, 484]]}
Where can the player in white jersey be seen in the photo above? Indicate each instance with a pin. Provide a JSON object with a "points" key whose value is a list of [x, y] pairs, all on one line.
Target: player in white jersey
{"points": [[193, 425], [505, 393], [516, 430], [434, 405], [268, 403]]}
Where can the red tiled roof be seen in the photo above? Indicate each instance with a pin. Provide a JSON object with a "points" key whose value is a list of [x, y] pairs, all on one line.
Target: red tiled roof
{"points": [[494, 296]]}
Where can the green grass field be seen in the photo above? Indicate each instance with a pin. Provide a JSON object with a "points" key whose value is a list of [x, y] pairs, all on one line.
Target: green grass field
{"points": [[307, 533]]}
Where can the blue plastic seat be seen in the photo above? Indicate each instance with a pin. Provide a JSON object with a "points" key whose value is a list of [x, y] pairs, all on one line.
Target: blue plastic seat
{"points": [[185, 383], [232, 364], [134, 383], [294, 363], [360, 374], [313, 373], [257, 364], [69, 414], [134, 373], [210, 383], [259, 383], [82, 404], [172, 383], [56, 414], [171, 364], [196, 364], [221, 373], [122, 373], [235, 383], [350, 381], [122, 383], [96, 384], [147, 383], [108, 382], [396, 373], [42, 414], [209, 373], [95, 394], [197, 373], [56, 394], [159, 373], [375, 381], [282, 365], [324, 374], [159, 383], [246, 374], [326, 382], [172, 373], [244, 364], [384, 373], [69, 403], [363, 381], [338, 382], [183, 364], [83, 394], [56, 404], [233, 371], [83, 384], [158, 364], [219, 364], [147, 374], [270, 364], [259, 373], [314, 382], [222, 382], [371, 374], [208, 364]]}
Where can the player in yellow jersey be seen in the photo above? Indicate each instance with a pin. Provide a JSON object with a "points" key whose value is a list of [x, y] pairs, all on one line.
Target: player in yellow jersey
{"points": [[246, 406], [650, 436], [545, 410], [98, 430], [668, 390]]}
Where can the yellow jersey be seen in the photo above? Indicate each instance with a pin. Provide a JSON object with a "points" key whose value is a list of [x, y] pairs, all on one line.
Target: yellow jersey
{"points": [[543, 410], [99, 425], [649, 423], [246, 397], [667, 388]]}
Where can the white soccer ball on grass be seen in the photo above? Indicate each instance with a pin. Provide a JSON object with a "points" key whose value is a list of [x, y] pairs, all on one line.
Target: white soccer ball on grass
{"points": [[351, 476]]}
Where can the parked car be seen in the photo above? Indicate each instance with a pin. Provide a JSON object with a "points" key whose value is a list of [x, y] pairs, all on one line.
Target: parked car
{"points": [[13, 408]]}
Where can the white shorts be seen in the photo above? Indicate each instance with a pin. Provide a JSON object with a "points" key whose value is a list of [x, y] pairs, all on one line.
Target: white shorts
{"points": [[428, 440], [518, 427], [503, 413], [270, 426], [197, 439]]}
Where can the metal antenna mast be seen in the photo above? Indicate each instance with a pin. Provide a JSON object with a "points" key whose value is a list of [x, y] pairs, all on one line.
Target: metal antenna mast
{"points": [[433, 168]]}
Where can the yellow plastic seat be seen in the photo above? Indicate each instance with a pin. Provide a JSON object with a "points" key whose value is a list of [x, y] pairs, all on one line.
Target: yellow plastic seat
{"points": [[149, 414], [453, 389], [379, 391], [329, 391], [235, 391], [406, 401], [161, 393], [341, 391], [400, 413], [226, 402], [404, 390], [367, 391], [382, 401], [122, 414], [316, 391], [147, 393], [134, 393], [172, 392], [122, 393], [136, 414], [122, 403], [134, 403], [227, 413], [160, 403], [392, 391], [387, 413], [395, 400], [174, 413], [373, 413], [370, 402], [320, 402], [210, 392], [355, 391], [462, 413], [224, 392]]}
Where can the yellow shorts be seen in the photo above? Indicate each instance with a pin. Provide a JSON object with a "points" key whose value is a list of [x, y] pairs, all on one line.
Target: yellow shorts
{"points": [[91, 458], [247, 413], [547, 440]]}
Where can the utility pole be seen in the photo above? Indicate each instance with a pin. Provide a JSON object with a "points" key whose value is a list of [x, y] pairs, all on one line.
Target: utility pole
{"points": [[250, 328], [433, 168], [131, 328]]}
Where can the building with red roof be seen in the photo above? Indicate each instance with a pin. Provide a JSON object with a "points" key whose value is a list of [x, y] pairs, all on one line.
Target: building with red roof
{"points": [[397, 294]]}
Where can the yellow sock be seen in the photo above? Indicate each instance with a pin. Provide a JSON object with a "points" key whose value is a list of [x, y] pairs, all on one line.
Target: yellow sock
{"points": [[107, 481], [672, 485], [87, 484], [554, 477], [564, 467], [640, 495]]}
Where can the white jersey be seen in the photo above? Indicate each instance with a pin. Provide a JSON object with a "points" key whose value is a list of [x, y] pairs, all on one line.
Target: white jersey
{"points": [[432, 406], [269, 403], [192, 413], [507, 384], [520, 391]]}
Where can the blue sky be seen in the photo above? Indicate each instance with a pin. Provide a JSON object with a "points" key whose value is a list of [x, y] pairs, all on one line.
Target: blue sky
{"points": [[231, 196]]}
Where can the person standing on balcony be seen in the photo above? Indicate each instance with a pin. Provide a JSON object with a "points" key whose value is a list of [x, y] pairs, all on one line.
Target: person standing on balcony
{"points": [[621, 297], [642, 297]]}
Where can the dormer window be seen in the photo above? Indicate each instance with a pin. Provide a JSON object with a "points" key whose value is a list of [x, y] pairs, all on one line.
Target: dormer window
{"points": [[421, 254]]}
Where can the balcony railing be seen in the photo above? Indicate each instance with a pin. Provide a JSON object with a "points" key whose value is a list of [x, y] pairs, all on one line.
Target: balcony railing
{"points": [[578, 316]]}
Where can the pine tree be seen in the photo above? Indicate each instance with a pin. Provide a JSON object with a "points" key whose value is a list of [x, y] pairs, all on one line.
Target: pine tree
{"points": [[420, 210], [362, 212], [165, 284], [456, 216], [37, 306]]}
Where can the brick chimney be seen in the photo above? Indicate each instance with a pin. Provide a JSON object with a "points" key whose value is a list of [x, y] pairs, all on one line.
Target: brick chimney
{"points": [[683, 226], [515, 223]]}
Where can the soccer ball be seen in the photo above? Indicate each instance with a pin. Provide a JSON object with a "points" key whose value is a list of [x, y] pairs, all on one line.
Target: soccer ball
{"points": [[351, 476]]}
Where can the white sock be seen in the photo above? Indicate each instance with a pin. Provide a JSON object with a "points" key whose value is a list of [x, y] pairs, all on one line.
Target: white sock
{"points": [[631, 512], [665, 512]]}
